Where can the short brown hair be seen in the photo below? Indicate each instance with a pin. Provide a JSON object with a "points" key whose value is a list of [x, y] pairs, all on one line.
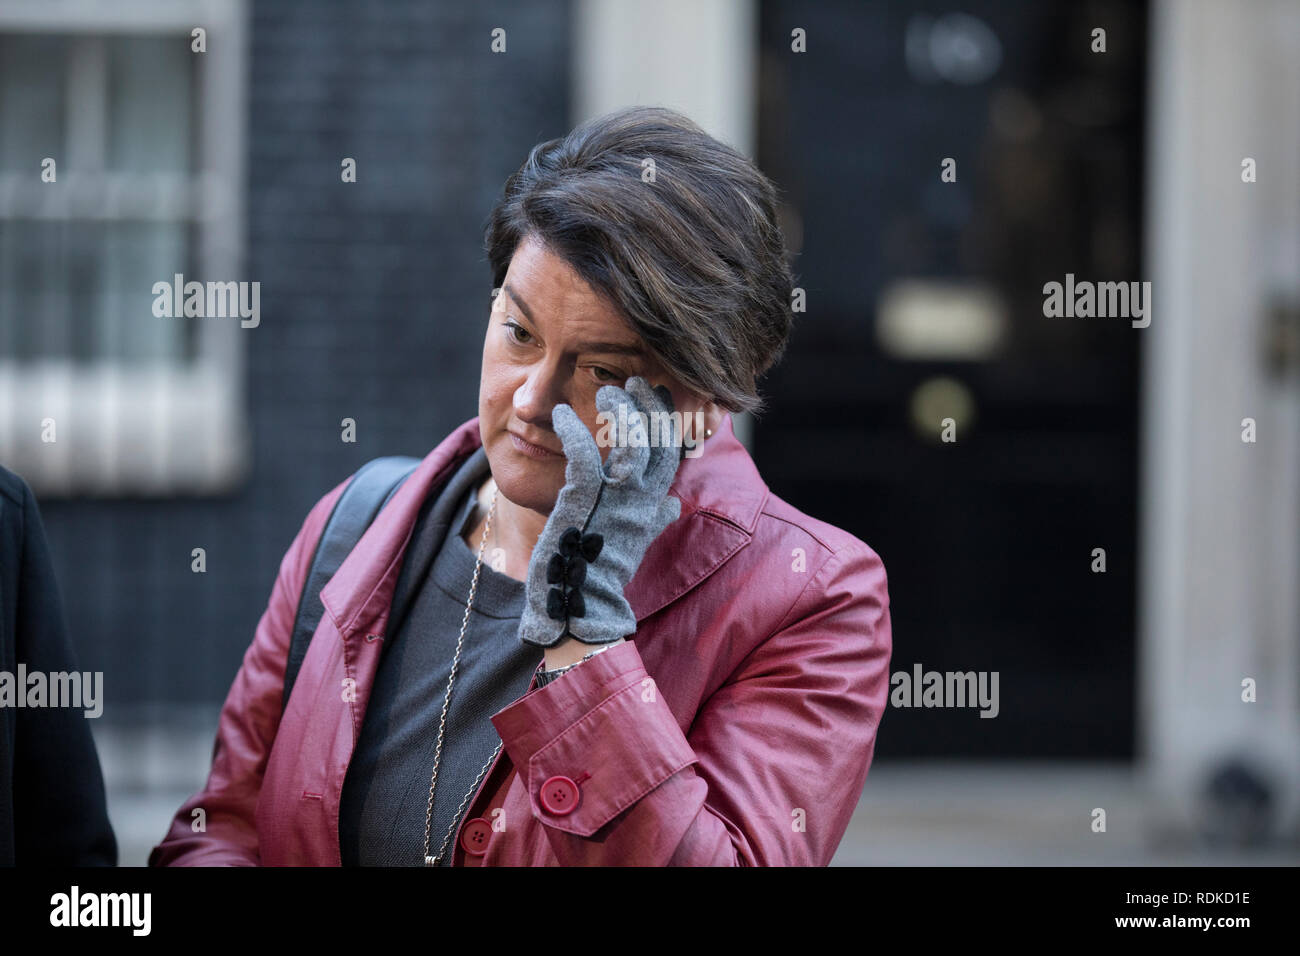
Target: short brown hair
{"points": [[695, 260]]}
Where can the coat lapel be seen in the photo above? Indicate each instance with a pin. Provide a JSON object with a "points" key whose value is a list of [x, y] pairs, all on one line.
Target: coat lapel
{"points": [[721, 494]]}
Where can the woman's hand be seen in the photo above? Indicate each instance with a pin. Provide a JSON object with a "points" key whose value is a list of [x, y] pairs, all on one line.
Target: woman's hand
{"points": [[604, 520]]}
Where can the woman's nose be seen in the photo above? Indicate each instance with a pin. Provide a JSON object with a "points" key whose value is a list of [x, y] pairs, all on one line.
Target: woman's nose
{"points": [[537, 396]]}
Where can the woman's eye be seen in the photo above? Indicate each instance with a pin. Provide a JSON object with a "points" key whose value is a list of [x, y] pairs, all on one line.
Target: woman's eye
{"points": [[521, 336]]}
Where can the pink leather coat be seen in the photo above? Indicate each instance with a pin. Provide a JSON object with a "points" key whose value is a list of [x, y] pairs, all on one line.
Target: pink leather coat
{"points": [[735, 728]]}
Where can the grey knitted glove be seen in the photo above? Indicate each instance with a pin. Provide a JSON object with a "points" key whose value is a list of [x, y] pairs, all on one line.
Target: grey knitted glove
{"points": [[603, 522]]}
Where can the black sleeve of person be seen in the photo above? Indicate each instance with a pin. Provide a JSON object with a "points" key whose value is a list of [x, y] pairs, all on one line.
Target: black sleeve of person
{"points": [[53, 810]]}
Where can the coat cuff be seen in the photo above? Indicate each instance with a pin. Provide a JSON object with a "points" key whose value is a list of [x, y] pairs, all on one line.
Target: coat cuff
{"points": [[600, 732]]}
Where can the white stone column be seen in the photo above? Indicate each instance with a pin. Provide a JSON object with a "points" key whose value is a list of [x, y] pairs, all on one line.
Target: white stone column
{"points": [[1220, 532]]}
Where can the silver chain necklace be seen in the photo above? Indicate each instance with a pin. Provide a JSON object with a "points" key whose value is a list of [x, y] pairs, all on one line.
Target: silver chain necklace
{"points": [[442, 721]]}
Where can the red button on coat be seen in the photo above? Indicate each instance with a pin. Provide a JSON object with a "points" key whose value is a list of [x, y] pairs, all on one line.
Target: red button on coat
{"points": [[475, 835], [559, 796]]}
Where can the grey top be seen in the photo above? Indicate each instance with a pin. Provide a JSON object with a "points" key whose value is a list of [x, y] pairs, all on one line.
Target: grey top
{"points": [[386, 790]]}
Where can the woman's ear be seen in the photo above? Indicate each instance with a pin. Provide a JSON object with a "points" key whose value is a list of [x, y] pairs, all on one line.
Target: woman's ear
{"points": [[700, 417], [699, 425], [713, 416]]}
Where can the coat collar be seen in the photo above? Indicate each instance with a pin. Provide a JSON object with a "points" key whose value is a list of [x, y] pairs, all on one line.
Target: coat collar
{"points": [[721, 492]]}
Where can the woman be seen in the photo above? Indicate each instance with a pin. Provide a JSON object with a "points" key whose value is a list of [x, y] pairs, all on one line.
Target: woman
{"points": [[659, 662]]}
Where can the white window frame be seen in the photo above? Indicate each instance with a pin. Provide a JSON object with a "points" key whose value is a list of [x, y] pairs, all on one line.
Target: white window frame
{"points": [[157, 428]]}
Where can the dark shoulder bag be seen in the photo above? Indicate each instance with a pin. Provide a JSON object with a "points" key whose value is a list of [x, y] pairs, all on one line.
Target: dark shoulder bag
{"points": [[365, 496]]}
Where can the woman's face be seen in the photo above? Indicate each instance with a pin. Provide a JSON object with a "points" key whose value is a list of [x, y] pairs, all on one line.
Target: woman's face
{"points": [[551, 339]]}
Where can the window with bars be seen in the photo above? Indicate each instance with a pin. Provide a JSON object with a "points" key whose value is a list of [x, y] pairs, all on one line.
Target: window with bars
{"points": [[97, 394]]}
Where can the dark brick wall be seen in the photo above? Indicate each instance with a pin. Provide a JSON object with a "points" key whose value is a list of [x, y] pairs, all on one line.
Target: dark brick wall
{"points": [[374, 299]]}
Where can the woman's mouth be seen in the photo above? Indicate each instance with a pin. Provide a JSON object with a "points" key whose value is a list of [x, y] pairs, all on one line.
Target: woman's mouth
{"points": [[531, 450]]}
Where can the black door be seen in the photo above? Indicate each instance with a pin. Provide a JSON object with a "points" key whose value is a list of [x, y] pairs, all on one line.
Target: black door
{"points": [[925, 301]]}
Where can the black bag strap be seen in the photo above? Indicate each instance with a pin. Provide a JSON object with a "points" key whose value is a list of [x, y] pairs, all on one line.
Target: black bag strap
{"points": [[365, 496]]}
